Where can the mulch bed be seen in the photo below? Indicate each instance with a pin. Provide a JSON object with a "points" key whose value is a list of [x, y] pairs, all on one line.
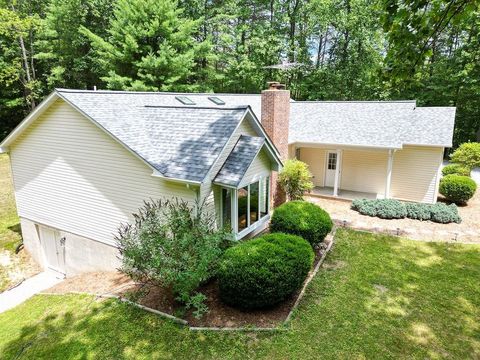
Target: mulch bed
{"points": [[219, 315]]}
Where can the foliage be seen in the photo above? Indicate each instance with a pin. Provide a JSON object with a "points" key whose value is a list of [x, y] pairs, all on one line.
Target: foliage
{"points": [[457, 188], [265, 271], [295, 179], [172, 244], [302, 218], [443, 213], [158, 54], [435, 279], [382, 208], [455, 169], [394, 209], [468, 155]]}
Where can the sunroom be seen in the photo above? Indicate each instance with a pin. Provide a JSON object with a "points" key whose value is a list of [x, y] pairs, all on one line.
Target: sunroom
{"points": [[244, 184]]}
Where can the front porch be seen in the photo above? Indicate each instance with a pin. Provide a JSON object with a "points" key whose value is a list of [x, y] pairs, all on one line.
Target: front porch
{"points": [[328, 192]]}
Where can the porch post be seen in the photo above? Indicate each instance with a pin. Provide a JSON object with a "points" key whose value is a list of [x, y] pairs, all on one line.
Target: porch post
{"points": [[389, 174], [337, 172]]}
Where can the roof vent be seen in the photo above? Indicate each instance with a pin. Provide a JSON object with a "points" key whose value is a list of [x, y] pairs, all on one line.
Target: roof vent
{"points": [[185, 100], [216, 100]]}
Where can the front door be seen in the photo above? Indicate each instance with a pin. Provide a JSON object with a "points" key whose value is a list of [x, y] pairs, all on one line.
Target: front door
{"points": [[330, 168], [53, 248]]}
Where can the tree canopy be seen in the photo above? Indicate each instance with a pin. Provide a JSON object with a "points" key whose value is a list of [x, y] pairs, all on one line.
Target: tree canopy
{"points": [[322, 50]]}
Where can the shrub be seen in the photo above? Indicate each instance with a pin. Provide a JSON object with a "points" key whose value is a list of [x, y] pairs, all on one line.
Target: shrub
{"points": [[443, 213], [455, 169], [382, 208], [302, 218], [457, 188], [172, 244], [418, 211], [468, 155], [295, 179], [264, 271]]}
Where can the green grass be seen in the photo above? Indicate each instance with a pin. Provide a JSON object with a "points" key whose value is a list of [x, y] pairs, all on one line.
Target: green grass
{"points": [[9, 223], [377, 297]]}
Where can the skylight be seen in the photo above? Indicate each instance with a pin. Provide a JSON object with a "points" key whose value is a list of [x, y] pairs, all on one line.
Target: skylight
{"points": [[185, 100], [216, 100]]}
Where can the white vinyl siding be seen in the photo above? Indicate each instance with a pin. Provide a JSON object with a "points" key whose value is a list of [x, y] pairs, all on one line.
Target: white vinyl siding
{"points": [[70, 175], [415, 173], [315, 158], [364, 171], [261, 167]]}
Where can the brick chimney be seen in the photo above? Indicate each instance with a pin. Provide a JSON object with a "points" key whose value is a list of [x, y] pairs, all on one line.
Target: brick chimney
{"points": [[275, 120]]}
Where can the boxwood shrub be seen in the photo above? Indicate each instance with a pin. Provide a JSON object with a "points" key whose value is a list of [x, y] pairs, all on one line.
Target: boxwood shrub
{"points": [[302, 218], [455, 169], [264, 271], [439, 212], [457, 188], [382, 208]]}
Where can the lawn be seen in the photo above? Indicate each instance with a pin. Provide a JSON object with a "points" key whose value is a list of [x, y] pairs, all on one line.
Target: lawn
{"points": [[376, 297]]}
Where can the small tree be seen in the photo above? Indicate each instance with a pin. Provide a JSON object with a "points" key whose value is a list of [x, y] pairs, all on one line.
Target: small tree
{"points": [[295, 179], [468, 155], [172, 244]]}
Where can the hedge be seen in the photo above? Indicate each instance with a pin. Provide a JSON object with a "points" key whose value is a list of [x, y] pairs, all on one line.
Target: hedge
{"points": [[457, 188], [263, 272], [394, 209], [455, 169], [302, 218]]}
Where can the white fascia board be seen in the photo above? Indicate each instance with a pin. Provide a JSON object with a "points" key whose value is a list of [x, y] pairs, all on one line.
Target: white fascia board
{"points": [[25, 123], [346, 146]]}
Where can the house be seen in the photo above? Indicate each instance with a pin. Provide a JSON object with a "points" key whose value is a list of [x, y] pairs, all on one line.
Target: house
{"points": [[84, 161]]}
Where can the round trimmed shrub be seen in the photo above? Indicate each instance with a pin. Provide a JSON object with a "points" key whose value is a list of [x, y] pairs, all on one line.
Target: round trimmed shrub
{"points": [[263, 272], [455, 169], [458, 189], [302, 218]]}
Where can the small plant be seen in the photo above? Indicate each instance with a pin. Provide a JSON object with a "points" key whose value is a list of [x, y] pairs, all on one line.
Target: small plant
{"points": [[172, 244], [263, 272], [455, 169], [468, 155], [295, 179], [382, 208], [441, 213], [302, 218], [458, 189]]}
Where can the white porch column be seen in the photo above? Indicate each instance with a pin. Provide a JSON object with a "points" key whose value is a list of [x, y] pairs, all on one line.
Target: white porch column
{"points": [[389, 174], [337, 172]]}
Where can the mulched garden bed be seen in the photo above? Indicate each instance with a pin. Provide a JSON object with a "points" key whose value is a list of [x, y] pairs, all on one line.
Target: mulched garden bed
{"points": [[219, 315]]}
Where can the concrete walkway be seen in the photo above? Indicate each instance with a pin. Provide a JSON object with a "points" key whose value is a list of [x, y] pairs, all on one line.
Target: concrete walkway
{"points": [[13, 297]]}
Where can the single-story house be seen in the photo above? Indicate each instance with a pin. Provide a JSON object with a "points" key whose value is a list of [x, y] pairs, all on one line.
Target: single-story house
{"points": [[84, 161]]}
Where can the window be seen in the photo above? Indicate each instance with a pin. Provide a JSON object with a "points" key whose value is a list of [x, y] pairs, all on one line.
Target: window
{"points": [[264, 196], [227, 209], [332, 161], [254, 215], [185, 100], [242, 208], [216, 100], [297, 153]]}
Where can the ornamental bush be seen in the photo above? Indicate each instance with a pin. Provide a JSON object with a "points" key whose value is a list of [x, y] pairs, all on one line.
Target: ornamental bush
{"points": [[382, 208], [467, 154], [443, 213], [302, 218], [263, 272], [295, 179], [455, 169], [440, 212], [418, 211], [458, 189], [172, 244]]}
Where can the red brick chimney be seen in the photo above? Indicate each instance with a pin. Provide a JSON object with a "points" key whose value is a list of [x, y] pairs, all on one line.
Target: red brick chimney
{"points": [[275, 120]]}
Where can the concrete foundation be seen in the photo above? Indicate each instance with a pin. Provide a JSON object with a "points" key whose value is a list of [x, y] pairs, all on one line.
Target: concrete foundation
{"points": [[81, 254]]}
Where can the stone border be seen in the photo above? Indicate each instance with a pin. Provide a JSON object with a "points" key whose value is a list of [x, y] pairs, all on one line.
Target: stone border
{"points": [[283, 326]]}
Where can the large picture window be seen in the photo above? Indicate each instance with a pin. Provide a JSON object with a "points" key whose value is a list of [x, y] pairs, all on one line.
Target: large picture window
{"points": [[242, 208], [254, 215], [227, 209], [264, 196]]}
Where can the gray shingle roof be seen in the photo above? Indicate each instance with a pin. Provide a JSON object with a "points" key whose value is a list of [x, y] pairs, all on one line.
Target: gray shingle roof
{"points": [[239, 160], [370, 123], [180, 142]]}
